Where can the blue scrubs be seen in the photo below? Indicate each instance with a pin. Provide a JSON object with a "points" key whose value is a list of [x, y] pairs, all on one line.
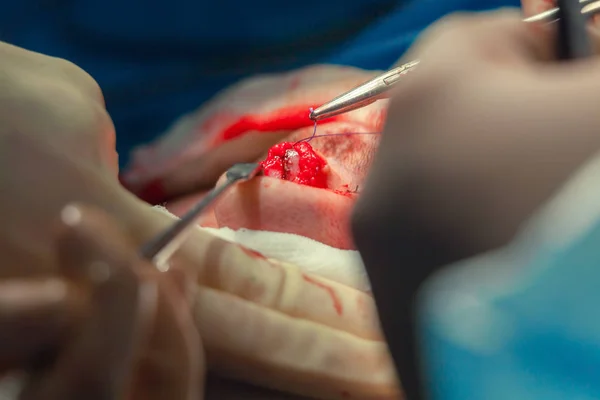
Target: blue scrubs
{"points": [[520, 327], [156, 60]]}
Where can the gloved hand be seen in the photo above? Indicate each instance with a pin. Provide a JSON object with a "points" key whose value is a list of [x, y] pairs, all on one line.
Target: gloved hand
{"points": [[57, 146], [259, 320], [483, 132], [112, 326]]}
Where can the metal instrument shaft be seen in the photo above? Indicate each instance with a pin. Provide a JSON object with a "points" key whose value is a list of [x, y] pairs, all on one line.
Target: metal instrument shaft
{"points": [[160, 248], [379, 87]]}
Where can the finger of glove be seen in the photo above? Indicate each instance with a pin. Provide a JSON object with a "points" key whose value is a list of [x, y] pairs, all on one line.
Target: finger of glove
{"points": [[99, 363], [172, 364], [29, 307], [269, 348]]}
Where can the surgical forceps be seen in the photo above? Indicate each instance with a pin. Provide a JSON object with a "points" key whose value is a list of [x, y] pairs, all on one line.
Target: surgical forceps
{"points": [[379, 87], [160, 248]]}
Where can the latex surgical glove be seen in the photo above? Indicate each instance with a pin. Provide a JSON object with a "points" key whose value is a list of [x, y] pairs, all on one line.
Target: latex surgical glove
{"points": [[483, 132], [110, 327], [57, 145]]}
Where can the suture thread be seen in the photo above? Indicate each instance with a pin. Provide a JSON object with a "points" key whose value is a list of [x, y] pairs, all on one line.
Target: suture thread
{"points": [[309, 138]]}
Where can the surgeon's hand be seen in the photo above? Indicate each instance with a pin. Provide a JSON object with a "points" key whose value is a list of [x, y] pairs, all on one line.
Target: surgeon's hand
{"points": [[57, 145], [483, 132]]}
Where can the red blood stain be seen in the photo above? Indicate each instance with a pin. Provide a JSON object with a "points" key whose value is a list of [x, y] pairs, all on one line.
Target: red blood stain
{"points": [[337, 303], [288, 118], [345, 394], [296, 162], [345, 193], [153, 193], [253, 253], [123, 182]]}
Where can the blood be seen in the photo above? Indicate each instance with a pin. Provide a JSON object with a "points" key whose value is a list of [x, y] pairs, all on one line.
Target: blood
{"points": [[337, 303], [345, 394], [284, 119], [153, 192], [253, 253], [296, 162], [345, 191]]}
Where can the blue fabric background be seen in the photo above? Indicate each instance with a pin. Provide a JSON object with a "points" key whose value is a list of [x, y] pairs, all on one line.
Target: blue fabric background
{"points": [[532, 334], [156, 60]]}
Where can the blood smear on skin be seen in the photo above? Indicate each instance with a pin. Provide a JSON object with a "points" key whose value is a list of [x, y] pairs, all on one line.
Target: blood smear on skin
{"points": [[345, 191], [253, 253], [337, 303], [283, 119]]}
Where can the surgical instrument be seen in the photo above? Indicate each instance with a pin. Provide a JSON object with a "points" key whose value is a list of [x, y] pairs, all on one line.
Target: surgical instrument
{"points": [[379, 87], [160, 248], [363, 95], [573, 41]]}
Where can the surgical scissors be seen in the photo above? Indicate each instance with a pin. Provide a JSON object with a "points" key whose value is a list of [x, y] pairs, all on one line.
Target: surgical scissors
{"points": [[379, 87], [160, 248]]}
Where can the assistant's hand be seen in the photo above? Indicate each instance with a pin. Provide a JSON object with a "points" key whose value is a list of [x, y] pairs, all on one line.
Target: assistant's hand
{"points": [[112, 326], [482, 133]]}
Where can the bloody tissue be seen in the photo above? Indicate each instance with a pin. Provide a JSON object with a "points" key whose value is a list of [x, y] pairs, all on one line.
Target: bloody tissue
{"points": [[296, 162]]}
